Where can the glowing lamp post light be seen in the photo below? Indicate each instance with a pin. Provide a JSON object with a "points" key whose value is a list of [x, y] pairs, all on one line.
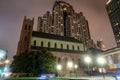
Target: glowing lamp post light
{"points": [[70, 65], [88, 60], [7, 61], [101, 61], [59, 68], [76, 66]]}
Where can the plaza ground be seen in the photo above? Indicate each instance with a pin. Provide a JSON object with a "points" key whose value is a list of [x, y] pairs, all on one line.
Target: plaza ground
{"points": [[67, 78]]}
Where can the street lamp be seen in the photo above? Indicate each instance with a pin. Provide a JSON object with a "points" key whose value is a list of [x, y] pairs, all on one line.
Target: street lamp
{"points": [[59, 68], [76, 66], [88, 60], [101, 61], [7, 61], [70, 65]]}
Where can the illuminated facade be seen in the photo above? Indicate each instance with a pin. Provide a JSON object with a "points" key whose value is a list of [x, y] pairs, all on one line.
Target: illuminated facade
{"points": [[64, 48], [64, 21], [113, 10], [64, 33], [113, 58]]}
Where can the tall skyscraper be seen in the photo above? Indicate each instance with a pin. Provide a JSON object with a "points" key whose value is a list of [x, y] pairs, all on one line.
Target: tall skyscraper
{"points": [[64, 21], [113, 10]]}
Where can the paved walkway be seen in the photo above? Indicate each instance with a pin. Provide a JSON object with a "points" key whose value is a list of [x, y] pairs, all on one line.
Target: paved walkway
{"points": [[93, 78]]}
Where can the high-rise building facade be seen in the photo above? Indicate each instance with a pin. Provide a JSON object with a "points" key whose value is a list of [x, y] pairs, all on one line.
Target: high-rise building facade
{"points": [[113, 10], [64, 21]]}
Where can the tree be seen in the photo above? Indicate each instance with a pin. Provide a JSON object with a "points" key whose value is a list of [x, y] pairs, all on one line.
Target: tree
{"points": [[34, 62]]}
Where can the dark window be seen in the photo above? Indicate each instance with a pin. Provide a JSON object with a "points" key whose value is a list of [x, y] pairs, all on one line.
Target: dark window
{"points": [[59, 60], [42, 44], [72, 47], [25, 27], [29, 33], [48, 44], [67, 47], [61, 46], [34, 42], [52, 30], [55, 45], [29, 27], [78, 48], [25, 38]]}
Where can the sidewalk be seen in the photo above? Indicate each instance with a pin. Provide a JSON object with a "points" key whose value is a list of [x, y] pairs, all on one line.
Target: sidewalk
{"points": [[93, 78]]}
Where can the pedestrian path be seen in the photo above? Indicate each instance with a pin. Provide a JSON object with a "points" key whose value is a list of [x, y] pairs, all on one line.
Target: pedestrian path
{"points": [[93, 78]]}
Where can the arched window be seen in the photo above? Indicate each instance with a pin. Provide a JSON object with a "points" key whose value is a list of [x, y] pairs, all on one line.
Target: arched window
{"points": [[29, 27], [48, 44], [61, 46], [41, 43], [78, 48], [25, 39], [72, 47], [34, 43], [67, 47], [25, 27], [55, 45], [59, 60]]}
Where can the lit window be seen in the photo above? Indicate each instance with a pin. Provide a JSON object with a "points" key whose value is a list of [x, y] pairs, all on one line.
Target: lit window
{"points": [[65, 9], [117, 23], [61, 24], [74, 21], [118, 2]]}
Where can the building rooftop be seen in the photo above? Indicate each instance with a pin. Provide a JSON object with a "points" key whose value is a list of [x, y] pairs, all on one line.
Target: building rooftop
{"points": [[55, 37]]}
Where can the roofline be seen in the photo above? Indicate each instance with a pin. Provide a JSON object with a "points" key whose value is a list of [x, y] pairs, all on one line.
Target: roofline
{"points": [[56, 37]]}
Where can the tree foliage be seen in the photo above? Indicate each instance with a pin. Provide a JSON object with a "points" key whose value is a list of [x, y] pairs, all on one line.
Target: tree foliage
{"points": [[34, 62]]}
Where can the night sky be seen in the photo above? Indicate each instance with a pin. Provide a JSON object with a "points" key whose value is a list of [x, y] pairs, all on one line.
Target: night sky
{"points": [[12, 13]]}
